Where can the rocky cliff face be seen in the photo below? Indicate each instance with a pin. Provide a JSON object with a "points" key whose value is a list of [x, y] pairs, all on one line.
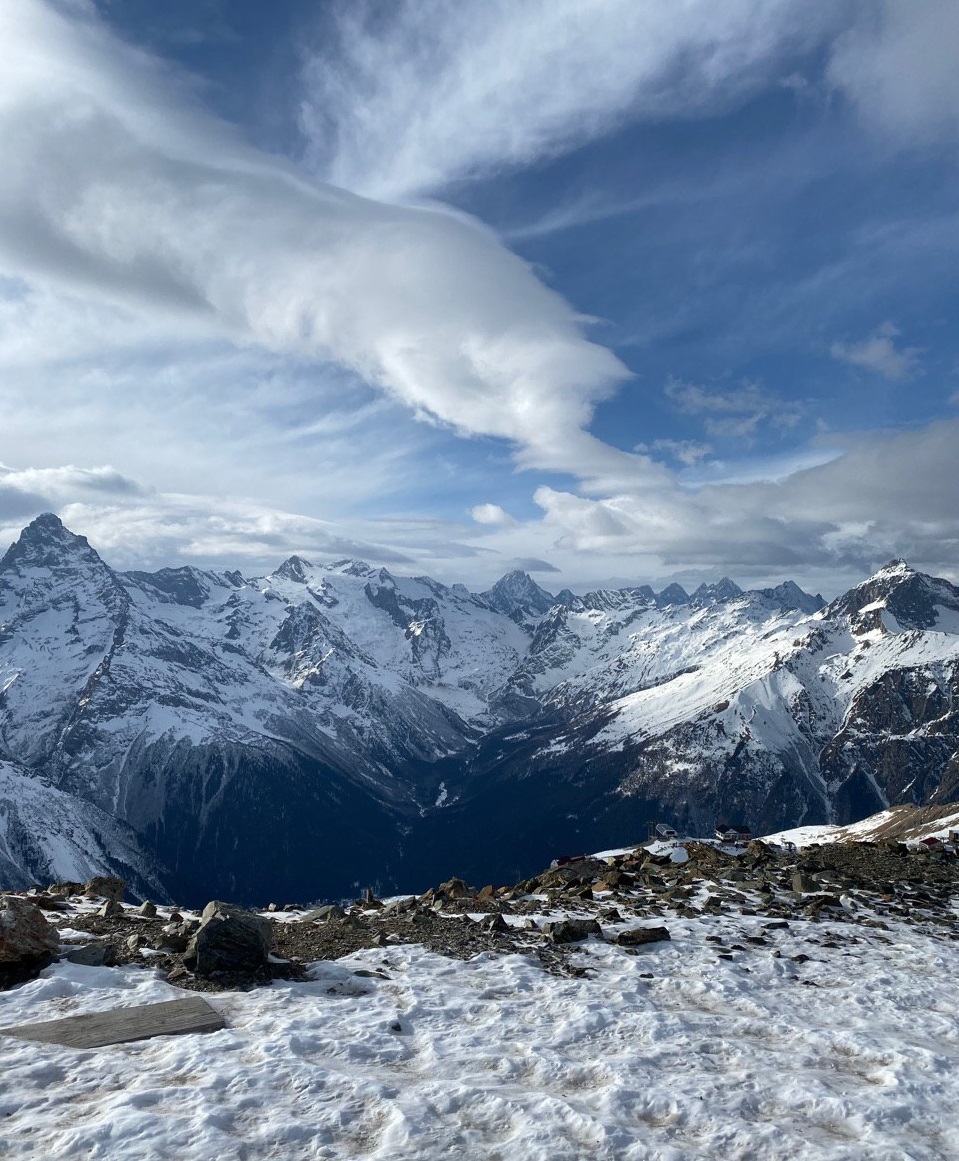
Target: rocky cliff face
{"points": [[223, 734]]}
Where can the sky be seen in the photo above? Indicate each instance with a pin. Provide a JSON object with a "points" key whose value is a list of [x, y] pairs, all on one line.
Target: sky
{"points": [[614, 291]]}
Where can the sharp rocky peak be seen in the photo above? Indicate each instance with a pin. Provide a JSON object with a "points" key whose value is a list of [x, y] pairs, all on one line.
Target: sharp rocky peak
{"points": [[517, 591], [295, 568], [723, 590], [912, 597], [47, 543]]}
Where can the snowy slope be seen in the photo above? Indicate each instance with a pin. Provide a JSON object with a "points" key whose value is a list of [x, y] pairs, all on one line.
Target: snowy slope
{"points": [[672, 1054], [48, 836]]}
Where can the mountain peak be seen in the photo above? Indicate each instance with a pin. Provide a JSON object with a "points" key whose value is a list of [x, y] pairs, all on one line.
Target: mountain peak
{"points": [[723, 590], [46, 542], [294, 568], [517, 591], [912, 598], [673, 594]]}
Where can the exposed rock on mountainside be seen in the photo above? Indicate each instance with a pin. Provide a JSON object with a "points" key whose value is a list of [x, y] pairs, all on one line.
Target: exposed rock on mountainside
{"points": [[203, 733]]}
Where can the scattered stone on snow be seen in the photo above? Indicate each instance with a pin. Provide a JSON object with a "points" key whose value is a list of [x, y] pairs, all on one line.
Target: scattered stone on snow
{"points": [[637, 936]]}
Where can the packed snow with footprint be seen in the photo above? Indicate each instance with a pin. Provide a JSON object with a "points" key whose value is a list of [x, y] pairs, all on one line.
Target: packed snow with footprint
{"points": [[704, 1046]]}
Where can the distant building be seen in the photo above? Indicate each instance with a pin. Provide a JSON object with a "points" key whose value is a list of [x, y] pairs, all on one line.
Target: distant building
{"points": [[733, 835], [665, 831]]}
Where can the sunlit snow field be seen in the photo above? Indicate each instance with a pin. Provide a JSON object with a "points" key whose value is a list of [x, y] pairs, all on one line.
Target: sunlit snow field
{"points": [[669, 1054]]}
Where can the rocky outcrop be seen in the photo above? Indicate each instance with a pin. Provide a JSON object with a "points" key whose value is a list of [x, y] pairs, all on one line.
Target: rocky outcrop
{"points": [[27, 941]]}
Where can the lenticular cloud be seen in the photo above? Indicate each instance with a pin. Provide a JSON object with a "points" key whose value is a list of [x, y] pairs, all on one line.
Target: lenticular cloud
{"points": [[112, 182]]}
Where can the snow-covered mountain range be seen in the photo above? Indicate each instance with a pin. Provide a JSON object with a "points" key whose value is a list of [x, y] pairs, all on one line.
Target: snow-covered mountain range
{"points": [[207, 733]]}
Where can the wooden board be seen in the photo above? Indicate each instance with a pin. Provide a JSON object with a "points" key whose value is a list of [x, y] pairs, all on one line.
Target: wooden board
{"points": [[120, 1026]]}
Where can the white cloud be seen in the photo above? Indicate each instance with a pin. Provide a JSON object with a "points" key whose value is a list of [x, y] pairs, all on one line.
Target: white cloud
{"points": [[854, 511], [404, 99], [735, 413], [111, 184], [879, 353], [897, 65], [492, 514], [686, 451]]}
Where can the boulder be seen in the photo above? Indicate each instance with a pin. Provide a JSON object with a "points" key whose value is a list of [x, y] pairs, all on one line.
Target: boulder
{"points": [[571, 930], [804, 884], [454, 889], [147, 910], [106, 887], [495, 923], [110, 909], [637, 936], [92, 955], [575, 873], [27, 941], [229, 939], [324, 914]]}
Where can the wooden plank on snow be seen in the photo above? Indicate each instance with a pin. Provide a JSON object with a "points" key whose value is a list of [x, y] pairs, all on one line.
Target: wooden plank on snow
{"points": [[121, 1025]]}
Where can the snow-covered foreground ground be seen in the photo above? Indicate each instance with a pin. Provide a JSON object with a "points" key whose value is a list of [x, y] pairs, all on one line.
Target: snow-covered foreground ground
{"points": [[670, 1054]]}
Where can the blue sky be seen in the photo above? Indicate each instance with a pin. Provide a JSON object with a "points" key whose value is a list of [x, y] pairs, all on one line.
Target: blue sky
{"points": [[620, 289]]}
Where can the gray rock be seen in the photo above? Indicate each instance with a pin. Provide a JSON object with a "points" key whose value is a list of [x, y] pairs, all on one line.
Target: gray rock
{"points": [[110, 909], [324, 914], [571, 930], [27, 940], [147, 910], [92, 955], [804, 884], [229, 940], [495, 922], [400, 906], [637, 936]]}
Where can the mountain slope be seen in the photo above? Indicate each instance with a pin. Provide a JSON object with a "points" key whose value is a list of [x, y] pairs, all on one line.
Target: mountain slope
{"points": [[256, 732]]}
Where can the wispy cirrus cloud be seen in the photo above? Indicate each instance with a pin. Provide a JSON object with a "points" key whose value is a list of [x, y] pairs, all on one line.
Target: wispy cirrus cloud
{"points": [[403, 100]]}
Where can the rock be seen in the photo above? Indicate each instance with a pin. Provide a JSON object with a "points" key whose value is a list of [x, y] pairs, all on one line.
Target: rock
{"points": [[66, 888], [229, 940], [110, 909], [637, 936], [27, 941], [575, 873], [105, 887], [804, 884], [178, 973], [49, 902], [174, 937], [147, 910], [454, 889], [489, 891], [273, 907], [324, 914], [494, 922], [134, 943], [571, 930], [400, 906], [92, 955]]}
